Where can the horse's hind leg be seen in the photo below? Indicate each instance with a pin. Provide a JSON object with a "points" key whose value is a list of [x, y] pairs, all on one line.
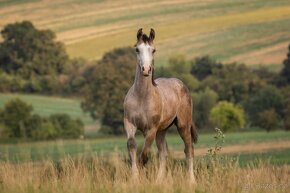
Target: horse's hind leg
{"points": [[163, 153], [132, 146], [186, 137], [184, 128]]}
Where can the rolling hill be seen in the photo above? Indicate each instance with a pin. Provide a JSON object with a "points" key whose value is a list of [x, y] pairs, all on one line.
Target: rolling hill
{"points": [[246, 31]]}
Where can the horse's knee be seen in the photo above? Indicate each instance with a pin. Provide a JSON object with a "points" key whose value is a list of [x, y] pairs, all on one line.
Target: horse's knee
{"points": [[131, 144]]}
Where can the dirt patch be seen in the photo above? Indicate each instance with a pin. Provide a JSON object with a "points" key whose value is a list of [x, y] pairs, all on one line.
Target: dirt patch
{"points": [[245, 148]]}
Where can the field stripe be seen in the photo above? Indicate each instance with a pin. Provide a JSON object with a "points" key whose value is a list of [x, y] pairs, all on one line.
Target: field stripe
{"points": [[245, 148], [95, 47]]}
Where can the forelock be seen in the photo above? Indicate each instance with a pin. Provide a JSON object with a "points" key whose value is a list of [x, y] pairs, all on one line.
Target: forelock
{"points": [[145, 38]]}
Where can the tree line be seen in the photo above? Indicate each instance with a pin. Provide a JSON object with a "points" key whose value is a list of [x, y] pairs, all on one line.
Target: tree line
{"points": [[229, 96]]}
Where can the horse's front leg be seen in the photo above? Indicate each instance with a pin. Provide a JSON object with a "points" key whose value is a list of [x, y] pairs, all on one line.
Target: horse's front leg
{"points": [[163, 154], [132, 146], [149, 138]]}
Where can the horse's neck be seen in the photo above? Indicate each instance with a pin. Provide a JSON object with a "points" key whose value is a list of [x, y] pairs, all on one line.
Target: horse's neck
{"points": [[143, 86]]}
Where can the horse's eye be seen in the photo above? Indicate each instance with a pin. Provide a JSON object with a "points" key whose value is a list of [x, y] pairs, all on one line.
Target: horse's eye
{"points": [[137, 50], [154, 51]]}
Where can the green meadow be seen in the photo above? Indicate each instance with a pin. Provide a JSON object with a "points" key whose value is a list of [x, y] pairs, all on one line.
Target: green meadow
{"points": [[105, 146]]}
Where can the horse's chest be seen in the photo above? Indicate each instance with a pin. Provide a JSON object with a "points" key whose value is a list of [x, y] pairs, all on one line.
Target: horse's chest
{"points": [[145, 118]]}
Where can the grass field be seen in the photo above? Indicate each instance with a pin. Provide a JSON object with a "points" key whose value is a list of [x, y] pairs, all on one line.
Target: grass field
{"points": [[233, 145], [113, 175], [254, 32], [101, 165]]}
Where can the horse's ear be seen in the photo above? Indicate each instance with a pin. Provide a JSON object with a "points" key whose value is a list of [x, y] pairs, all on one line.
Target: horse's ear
{"points": [[139, 34], [152, 35]]}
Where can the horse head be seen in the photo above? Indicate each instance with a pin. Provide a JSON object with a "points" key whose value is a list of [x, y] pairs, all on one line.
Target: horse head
{"points": [[145, 51]]}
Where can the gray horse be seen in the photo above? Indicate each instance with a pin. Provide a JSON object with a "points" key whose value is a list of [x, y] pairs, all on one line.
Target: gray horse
{"points": [[152, 106]]}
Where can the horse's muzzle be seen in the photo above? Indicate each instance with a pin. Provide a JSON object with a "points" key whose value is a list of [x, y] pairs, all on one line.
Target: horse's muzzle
{"points": [[146, 69]]}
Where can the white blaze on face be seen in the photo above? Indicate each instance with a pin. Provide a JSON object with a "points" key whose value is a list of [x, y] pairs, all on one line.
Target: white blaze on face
{"points": [[145, 57]]}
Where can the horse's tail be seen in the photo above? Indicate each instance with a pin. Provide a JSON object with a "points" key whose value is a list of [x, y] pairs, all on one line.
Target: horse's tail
{"points": [[194, 134]]}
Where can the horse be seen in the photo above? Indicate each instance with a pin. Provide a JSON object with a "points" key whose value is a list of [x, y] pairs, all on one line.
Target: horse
{"points": [[152, 106]]}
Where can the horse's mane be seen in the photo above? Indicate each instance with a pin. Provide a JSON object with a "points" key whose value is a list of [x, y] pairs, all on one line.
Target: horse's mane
{"points": [[152, 76]]}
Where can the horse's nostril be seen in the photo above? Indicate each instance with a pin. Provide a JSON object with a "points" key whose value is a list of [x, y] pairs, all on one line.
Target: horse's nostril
{"points": [[142, 68], [149, 68]]}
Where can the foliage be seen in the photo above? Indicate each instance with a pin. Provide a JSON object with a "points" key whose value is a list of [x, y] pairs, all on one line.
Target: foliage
{"points": [[108, 83], [268, 98], [227, 116], [27, 51], [78, 76], [179, 67], [19, 122], [268, 119], [203, 102], [286, 113], [31, 61], [65, 126], [286, 68], [234, 82], [14, 116], [204, 66], [47, 131]]}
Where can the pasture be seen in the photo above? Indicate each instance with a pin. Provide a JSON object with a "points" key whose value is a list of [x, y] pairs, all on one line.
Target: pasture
{"points": [[245, 143], [243, 31], [251, 32], [101, 165]]}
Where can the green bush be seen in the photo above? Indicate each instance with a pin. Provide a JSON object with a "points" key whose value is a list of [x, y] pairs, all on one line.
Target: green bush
{"points": [[203, 102], [227, 117], [14, 116], [46, 131], [66, 127], [268, 119], [268, 98]]}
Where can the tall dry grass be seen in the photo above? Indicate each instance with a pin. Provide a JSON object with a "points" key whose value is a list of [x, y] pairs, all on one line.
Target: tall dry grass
{"points": [[95, 174]]}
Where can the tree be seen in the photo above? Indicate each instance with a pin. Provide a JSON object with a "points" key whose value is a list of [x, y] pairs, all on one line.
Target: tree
{"points": [[226, 116], [267, 99], [234, 82], [179, 68], [268, 119], [286, 69], [203, 102], [204, 66], [108, 83], [64, 127], [27, 51], [286, 113], [14, 116]]}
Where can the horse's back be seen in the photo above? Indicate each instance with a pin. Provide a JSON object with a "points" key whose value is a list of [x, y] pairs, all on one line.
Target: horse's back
{"points": [[171, 86]]}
